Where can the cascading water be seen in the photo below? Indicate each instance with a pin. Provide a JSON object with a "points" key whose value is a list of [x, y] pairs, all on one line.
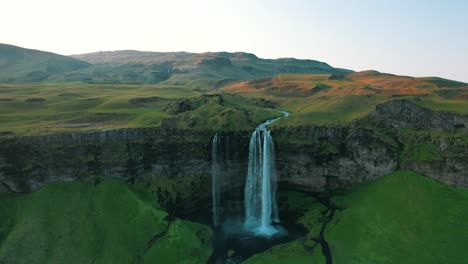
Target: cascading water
{"points": [[257, 231], [216, 178], [261, 207]]}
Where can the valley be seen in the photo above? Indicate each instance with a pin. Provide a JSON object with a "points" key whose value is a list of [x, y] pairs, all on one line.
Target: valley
{"points": [[110, 157]]}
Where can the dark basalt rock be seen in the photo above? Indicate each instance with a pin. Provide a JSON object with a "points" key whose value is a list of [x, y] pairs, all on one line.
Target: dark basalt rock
{"points": [[344, 155], [327, 158], [402, 113], [312, 158]]}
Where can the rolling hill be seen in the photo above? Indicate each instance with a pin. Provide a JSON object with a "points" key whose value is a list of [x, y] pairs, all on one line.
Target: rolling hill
{"points": [[203, 71], [28, 65], [341, 98], [214, 90]]}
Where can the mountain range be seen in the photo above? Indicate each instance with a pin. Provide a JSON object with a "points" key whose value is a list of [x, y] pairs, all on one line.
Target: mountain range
{"points": [[204, 70]]}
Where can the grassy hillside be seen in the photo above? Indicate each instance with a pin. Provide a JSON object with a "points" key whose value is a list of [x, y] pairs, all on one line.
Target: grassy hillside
{"points": [[290, 253], [331, 98], [27, 109], [401, 218], [205, 71], [106, 222], [214, 90], [27, 65]]}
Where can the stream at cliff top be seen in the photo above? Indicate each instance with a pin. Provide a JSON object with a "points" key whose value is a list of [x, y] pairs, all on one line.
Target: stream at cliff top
{"points": [[250, 222]]}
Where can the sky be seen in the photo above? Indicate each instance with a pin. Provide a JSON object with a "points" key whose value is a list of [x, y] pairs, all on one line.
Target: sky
{"points": [[407, 37]]}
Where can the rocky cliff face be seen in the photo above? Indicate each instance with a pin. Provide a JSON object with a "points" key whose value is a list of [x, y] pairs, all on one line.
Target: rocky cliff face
{"points": [[318, 158], [405, 114], [442, 155], [314, 158], [324, 158], [435, 143], [28, 163]]}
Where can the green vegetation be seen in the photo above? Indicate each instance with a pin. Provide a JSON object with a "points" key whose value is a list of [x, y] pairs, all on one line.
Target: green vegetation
{"points": [[403, 217], [326, 110], [49, 93], [87, 107], [400, 218], [27, 65], [79, 222], [184, 243], [433, 145], [203, 71], [173, 193], [440, 103], [306, 211], [340, 99], [292, 253]]}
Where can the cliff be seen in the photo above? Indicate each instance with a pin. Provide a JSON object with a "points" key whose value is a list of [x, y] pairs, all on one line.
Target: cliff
{"points": [[313, 158]]}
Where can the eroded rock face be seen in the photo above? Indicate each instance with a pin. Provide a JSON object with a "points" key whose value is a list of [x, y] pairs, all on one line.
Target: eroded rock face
{"points": [[434, 143], [442, 156], [314, 158], [27, 163], [402, 113], [452, 171], [326, 158]]}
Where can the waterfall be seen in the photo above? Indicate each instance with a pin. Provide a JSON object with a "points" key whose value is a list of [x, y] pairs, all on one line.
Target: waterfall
{"points": [[216, 177], [261, 207]]}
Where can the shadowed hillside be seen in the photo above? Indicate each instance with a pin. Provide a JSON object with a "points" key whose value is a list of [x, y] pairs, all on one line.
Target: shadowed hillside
{"points": [[204, 71], [28, 65]]}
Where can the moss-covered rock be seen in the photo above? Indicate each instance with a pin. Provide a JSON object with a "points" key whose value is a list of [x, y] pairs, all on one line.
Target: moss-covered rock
{"points": [[290, 253], [185, 242]]}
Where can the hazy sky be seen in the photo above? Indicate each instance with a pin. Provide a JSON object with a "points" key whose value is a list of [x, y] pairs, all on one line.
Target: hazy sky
{"points": [[410, 37]]}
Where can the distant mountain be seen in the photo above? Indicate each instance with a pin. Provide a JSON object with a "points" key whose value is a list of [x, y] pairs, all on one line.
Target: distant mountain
{"points": [[212, 69], [199, 70], [27, 65]]}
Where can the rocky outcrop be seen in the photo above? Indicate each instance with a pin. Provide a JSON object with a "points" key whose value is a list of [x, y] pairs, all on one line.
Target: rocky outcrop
{"points": [[442, 156], [450, 171], [324, 158], [402, 113]]}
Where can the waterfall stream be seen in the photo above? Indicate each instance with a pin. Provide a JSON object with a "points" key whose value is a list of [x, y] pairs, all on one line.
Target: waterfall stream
{"points": [[216, 178], [261, 207]]}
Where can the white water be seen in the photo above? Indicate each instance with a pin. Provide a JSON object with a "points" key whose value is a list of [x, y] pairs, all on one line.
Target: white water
{"points": [[216, 178], [261, 207]]}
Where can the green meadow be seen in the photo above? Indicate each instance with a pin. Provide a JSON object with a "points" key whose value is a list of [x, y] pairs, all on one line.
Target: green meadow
{"points": [[101, 222]]}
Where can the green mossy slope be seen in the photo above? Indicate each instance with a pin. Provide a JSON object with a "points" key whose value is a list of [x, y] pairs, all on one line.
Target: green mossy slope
{"points": [[185, 243], [291, 253], [78, 222], [401, 218]]}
